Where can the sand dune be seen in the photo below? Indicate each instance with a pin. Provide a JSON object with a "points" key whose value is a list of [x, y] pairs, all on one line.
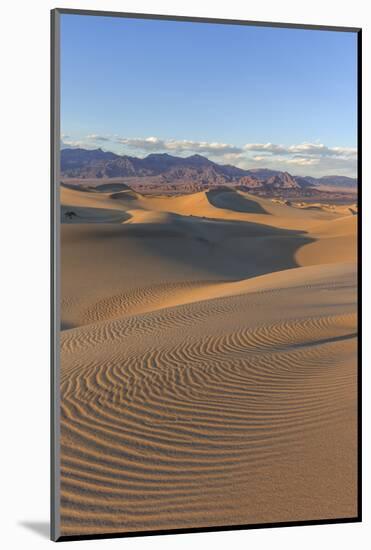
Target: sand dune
{"points": [[100, 205], [219, 204], [333, 241], [208, 362]]}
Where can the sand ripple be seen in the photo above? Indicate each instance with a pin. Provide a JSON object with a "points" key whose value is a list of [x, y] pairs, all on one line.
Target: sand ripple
{"points": [[189, 415]]}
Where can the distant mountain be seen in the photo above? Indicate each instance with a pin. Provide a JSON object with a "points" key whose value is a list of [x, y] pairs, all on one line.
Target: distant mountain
{"points": [[78, 160], [283, 180], [263, 173], [77, 163], [193, 172], [338, 181]]}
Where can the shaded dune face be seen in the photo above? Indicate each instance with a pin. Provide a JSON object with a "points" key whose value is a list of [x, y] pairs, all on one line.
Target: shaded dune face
{"points": [[123, 259], [208, 364], [232, 200], [77, 214]]}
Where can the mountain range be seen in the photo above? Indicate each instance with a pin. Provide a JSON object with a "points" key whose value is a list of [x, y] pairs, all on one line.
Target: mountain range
{"points": [[193, 172]]}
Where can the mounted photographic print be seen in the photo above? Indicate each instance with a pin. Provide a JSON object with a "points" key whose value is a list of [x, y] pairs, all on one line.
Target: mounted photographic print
{"points": [[205, 183]]}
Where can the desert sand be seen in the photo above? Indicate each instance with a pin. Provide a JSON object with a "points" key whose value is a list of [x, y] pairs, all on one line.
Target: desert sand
{"points": [[208, 360]]}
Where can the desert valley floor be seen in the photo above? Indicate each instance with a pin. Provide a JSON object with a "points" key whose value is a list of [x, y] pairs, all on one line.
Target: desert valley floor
{"points": [[208, 360]]}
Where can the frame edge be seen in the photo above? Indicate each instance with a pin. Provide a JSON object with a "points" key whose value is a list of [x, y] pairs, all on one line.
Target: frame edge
{"points": [[54, 279]]}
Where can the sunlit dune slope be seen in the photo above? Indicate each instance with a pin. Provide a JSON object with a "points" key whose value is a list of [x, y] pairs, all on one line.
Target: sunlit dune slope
{"points": [[214, 412], [333, 241]]}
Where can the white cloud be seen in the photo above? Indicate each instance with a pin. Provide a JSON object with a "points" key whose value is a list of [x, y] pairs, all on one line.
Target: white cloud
{"points": [[269, 148], [306, 158], [302, 161], [309, 149], [323, 151], [72, 144], [67, 143], [179, 146], [97, 137], [258, 158]]}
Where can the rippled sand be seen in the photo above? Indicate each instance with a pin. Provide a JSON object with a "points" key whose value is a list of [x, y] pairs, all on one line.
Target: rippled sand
{"points": [[208, 359]]}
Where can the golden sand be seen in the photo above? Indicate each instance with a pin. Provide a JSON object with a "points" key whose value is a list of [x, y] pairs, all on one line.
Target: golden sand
{"points": [[208, 361]]}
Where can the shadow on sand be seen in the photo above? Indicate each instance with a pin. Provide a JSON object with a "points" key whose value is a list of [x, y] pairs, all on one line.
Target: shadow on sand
{"points": [[222, 249], [229, 199]]}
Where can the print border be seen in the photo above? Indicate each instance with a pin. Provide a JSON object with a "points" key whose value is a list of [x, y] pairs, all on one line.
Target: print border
{"points": [[55, 275]]}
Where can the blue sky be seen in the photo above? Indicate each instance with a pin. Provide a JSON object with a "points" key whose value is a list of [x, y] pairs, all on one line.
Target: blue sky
{"points": [[249, 96]]}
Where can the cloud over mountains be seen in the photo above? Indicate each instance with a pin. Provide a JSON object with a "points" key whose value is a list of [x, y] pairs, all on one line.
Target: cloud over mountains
{"points": [[305, 158]]}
